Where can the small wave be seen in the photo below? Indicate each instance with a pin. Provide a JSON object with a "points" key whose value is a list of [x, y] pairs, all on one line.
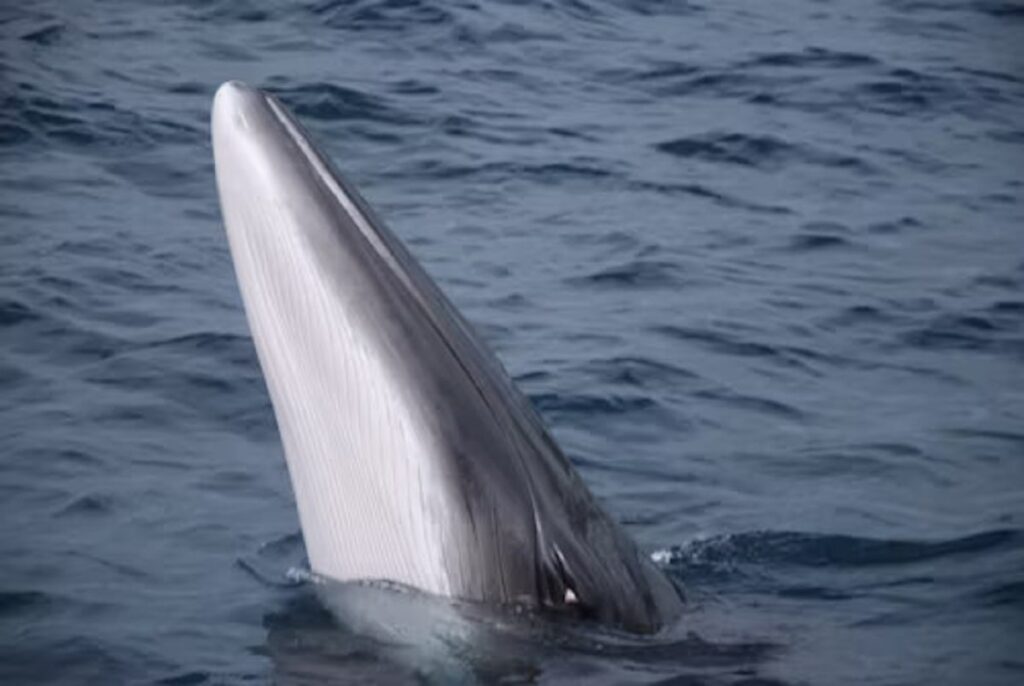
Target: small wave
{"points": [[12, 134], [665, 70], [13, 312], [480, 129], [759, 151], [812, 57], [905, 92], [1013, 310], [278, 563], [1001, 595], [48, 34], [15, 602], [70, 343], [635, 274], [718, 83], [125, 570], [1002, 10], [558, 172], [822, 550], [56, 658], [718, 197], [815, 593], [1011, 437], [591, 405], [329, 102], [994, 8], [70, 458], [900, 225], [13, 377], [662, 8], [93, 124], [817, 241], [87, 506], [396, 16], [1001, 76], [583, 168], [505, 32], [815, 236], [731, 344], [752, 403], [860, 315], [210, 376], [230, 11], [186, 679], [968, 331], [897, 92], [720, 342], [157, 176], [291, 578], [638, 372], [233, 346]]}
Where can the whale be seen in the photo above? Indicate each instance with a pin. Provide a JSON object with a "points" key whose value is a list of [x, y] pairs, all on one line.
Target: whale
{"points": [[413, 457]]}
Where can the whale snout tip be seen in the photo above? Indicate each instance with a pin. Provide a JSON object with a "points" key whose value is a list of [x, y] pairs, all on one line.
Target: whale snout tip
{"points": [[235, 83], [233, 101], [232, 89]]}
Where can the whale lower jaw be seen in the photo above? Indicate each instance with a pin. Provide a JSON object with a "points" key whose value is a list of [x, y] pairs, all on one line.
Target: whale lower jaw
{"points": [[371, 501], [412, 455]]}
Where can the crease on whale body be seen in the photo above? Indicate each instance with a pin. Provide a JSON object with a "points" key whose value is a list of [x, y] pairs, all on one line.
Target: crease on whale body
{"points": [[412, 456]]}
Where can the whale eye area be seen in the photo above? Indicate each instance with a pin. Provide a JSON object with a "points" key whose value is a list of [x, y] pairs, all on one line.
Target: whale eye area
{"points": [[560, 590]]}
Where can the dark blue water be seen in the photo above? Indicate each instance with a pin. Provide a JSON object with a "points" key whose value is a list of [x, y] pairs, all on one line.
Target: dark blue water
{"points": [[760, 266]]}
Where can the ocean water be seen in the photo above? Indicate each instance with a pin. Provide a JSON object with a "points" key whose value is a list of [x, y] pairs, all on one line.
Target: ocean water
{"points": [[759, 265]]}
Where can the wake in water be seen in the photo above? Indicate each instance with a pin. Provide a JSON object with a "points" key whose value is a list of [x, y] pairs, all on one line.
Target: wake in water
{"points": [[327, 632], [340, 633]]}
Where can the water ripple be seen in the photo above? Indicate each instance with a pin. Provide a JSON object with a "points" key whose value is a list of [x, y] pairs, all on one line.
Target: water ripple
{"points": [[760, 270]]}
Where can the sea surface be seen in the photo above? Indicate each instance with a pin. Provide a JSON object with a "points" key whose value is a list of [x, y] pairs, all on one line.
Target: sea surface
{"points": [[759, 265]]}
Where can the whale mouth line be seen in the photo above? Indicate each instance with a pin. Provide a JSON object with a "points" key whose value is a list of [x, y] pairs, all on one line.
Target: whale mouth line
{"points": [[330, 182]]}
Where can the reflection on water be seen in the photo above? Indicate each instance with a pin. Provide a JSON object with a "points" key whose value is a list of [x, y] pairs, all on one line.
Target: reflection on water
{"points": [[432, 640]]}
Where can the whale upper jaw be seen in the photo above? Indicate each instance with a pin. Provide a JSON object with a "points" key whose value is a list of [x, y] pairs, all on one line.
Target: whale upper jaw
{"points": [[412, 456]]}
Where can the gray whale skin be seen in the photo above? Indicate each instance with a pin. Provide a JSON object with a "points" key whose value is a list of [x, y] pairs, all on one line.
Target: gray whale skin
{"points": [[412, 456]]}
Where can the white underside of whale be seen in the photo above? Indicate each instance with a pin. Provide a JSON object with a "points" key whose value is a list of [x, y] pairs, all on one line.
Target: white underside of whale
{"points": [[344, 416]]}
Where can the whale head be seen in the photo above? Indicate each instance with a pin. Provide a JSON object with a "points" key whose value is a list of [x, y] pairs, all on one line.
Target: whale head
{"points": [[412, 455]]}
